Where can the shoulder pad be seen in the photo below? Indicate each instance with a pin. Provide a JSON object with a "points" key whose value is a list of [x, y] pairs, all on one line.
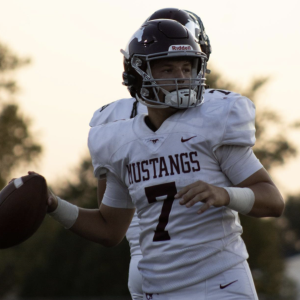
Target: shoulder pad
{"points": [[240, 125], [227, 119], [237, 116], [217, 94], [120, 109], [102, 142]]}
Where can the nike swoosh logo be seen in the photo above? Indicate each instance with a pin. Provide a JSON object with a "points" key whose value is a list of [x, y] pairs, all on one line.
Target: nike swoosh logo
{"points": [[185, 140], [225, 286]]}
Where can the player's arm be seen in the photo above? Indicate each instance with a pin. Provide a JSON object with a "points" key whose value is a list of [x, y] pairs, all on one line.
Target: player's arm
{"points": [[89, 221], [253, 193], [268, 200], [101, 190], [106, 225]]}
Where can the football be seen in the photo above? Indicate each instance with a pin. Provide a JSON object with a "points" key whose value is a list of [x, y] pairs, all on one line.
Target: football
{"points": [[23, 206]]}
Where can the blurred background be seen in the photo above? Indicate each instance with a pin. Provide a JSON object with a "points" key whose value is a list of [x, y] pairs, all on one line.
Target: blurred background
{"points": [[60, 60]]}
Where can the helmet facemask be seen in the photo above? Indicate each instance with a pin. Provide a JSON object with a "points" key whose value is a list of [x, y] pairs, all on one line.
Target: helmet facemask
{"points": [[180, 92]]}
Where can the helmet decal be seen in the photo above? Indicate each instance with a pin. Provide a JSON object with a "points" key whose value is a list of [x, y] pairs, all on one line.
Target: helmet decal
{"points": [[137, 35], [180, 48]]}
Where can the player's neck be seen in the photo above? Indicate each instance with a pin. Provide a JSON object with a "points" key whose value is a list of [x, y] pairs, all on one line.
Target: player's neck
{"points": [[158, 115]]}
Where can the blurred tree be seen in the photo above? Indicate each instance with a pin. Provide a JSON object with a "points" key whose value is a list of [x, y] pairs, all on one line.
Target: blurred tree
{"points": [[17, 145], [290, 225]]}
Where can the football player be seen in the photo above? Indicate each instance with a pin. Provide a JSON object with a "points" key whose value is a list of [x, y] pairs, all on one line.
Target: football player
{"points": [[129, 108], [188, 169]]}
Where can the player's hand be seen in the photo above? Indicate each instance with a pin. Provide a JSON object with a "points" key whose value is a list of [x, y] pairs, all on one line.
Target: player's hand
{"points": [[201, 191], [52, 199]]}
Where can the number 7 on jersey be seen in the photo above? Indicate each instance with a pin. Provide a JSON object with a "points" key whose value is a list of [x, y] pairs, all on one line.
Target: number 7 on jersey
{"points": [[162, 192]]}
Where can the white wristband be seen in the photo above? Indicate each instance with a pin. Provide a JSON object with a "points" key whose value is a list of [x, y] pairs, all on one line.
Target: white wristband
{"points": [[65, 213], [241, 199]]}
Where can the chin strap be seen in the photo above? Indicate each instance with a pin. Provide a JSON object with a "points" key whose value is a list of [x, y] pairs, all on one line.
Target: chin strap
{"points": [[150, 105]]}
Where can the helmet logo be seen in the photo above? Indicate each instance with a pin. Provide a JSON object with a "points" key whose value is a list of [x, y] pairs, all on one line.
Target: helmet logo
{"points": [[181, 48]]}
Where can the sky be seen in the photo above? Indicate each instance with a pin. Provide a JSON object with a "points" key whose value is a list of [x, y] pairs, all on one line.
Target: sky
{"points": [[77, 66]]}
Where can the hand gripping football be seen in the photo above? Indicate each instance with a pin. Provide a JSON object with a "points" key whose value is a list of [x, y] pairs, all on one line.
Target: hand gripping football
{"points": [[23, 206]]}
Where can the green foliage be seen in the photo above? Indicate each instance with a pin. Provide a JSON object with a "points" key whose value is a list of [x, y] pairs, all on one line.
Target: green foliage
{"points": [[262, 237], [17, 145], [74, 267], [83, 191], [292, 210], [290, 226], [290, 233], [9, 62]]}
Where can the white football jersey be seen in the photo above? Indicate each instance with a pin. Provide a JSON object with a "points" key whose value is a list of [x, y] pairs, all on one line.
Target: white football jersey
{"points": [[180, 247], [120, 110]]}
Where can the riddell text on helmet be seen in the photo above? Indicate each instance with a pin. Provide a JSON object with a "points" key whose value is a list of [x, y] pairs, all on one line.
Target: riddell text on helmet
{"points": [[180, 48]]}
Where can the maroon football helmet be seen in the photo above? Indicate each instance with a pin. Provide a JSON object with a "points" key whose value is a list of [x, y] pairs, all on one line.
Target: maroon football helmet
{"points": [[164, 39]]}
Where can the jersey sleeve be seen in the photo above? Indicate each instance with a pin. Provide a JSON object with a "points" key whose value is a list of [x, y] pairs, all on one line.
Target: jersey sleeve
{"points": [[237, 163], [116, 193], [240, 123], [104, 142], [100, 149]]}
